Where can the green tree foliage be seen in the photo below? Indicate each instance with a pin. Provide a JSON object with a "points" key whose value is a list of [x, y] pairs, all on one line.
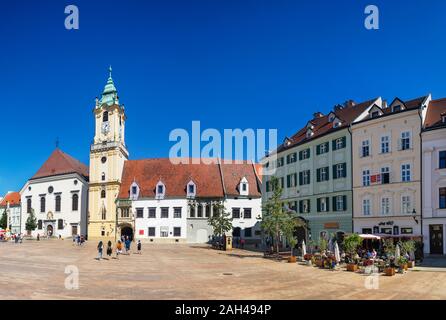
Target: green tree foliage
{"points": [[31, 222], [221, 221], [277, 221], [3, 220], [351, 244]]}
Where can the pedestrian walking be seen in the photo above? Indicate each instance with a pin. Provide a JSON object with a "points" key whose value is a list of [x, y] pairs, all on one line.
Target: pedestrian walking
{"points": [[138, 246], [38, 237], [127, 245], [100, 248], [109, 248], [118, 249]]}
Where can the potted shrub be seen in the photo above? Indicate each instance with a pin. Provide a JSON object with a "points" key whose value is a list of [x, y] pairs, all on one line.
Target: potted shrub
{"points": [[351, 245], [389, 271], [292, 258], [308, 257], [402, 263], [408, 249]]}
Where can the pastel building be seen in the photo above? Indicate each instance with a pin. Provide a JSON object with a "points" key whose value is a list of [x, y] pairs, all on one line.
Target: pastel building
{"points": [[11, 205], [387, 169], [160, 201], [314, 168], [434, 178], [57, 195]]}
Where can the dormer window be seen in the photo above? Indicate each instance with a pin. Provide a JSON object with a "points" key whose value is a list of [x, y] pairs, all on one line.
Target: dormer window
{"points": [[244, 187], [374, 114], [191, 189], [160, 190], [397, 108], [336, 124], [309, 133], [443, 118], [134, 191]]}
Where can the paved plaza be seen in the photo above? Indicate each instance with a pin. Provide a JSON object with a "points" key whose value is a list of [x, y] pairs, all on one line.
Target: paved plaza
{"points": [[36, 270]]}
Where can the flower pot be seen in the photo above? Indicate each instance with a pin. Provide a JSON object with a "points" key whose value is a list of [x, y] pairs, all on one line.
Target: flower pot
{"points": [[411, 264], [309, 263], [352, 267], [405, 266], [292, 259], [389, 271]]}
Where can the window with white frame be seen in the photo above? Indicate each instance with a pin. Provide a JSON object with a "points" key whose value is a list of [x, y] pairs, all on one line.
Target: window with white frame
{"points": [[164, 232], [385, 205], [385, 175], [324, 174], [191, 189], [323, 204], [406, 204], [366, 177], [160, 190], [177, 212], [339, 203], [405, 140], [385, 144], [366, 207], [405, 173], [365, 149]]}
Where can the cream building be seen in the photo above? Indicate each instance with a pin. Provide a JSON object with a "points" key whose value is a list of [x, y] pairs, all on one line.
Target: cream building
{"points": [[434, 178], [386, 169], [107, 156]]}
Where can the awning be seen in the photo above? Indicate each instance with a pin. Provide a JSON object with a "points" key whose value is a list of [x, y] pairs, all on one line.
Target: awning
{"points": [[369, 236]]}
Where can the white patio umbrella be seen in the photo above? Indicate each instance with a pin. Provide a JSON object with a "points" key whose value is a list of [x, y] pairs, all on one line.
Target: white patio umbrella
{"points": [[304, 249], [397, 252], [336, 253]]}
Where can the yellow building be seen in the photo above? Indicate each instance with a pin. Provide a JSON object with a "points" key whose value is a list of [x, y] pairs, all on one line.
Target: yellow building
{"points": [[386, 169], [107, 156]]}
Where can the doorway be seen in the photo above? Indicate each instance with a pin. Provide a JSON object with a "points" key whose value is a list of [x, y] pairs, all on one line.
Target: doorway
{"points": [[49, 230], [74, 230], [436, 238], [127, 232]]}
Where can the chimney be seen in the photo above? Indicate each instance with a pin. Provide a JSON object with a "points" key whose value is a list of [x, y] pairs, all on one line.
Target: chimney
{"points": [[318, 115], [349, 103]]}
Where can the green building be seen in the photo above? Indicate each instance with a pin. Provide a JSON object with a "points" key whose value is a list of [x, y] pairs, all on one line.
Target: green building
{"points": [[314, 168]]}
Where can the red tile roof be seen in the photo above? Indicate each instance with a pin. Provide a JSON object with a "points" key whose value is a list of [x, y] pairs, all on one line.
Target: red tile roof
{"points": [[207, 178], [436, 109], [61, 163], [234, 173], [322, 126], [13, 198]]}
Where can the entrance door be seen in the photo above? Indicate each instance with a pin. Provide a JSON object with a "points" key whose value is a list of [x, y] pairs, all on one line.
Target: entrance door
{"points": [[73, 230], [49, 230], [127, 232], [436, 238]]}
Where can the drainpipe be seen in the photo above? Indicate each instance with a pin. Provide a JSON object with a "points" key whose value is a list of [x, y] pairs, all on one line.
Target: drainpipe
{"points": [[351, 172], [421, 175]]}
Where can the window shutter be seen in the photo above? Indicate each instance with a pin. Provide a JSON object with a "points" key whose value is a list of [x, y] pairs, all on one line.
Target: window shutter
{"points": [[318, 175], [334, 203], [318, 149], [335, 174], [344, 142], [309, 205], [344, 170], [328, 173], [333, 143], [267, 186], [300, 178], [327, 203], [309, 153], [288, 181], [295, 179], [309, 177], [344, 202], [318, 205], [300, 155], [327, 146], [301, 206]]}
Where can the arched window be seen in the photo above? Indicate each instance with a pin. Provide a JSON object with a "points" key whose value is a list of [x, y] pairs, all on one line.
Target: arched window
{"points": [[105, 116], [58, 203], [28, 205], [75, 202], [200, 211], [104, 213], [103, 176], [208, 210], [42, 204], [103, 194]]}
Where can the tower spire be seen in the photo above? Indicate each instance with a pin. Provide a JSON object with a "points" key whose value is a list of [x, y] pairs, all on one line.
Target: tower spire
{"points": [[110, 94]]}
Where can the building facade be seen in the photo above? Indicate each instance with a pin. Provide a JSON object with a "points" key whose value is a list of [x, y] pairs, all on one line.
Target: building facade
{"points": [[387, 166], [434, 178], [11, 205], [314, 168], [57, 195], [166, 202], [107, 156]]}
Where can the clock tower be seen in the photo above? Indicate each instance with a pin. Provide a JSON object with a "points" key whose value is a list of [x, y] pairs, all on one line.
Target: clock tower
{"points": [[107, 156]]}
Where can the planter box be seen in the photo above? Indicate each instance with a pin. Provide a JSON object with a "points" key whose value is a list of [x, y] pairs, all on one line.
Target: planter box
{"points": [[352, 267], [411, 264], [292, 259], [389, 271]]}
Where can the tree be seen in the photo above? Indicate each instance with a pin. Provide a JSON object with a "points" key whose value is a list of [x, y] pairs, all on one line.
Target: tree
{"points": [[221, 220], [31, 222], [3, 220], [352, 243], [276, 220]]}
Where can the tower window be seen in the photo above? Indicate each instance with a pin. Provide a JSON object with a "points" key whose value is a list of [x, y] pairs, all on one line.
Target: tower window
{"points": [[103, 176], [58, 203], [105, 116], [104, 159], [103, 194]]}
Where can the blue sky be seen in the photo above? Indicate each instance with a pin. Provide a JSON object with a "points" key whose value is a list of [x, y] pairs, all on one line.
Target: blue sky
{"points": [[229, 64]]}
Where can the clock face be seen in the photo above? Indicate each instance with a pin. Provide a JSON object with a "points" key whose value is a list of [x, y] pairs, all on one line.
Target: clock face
{"points": [[105, 127]]}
